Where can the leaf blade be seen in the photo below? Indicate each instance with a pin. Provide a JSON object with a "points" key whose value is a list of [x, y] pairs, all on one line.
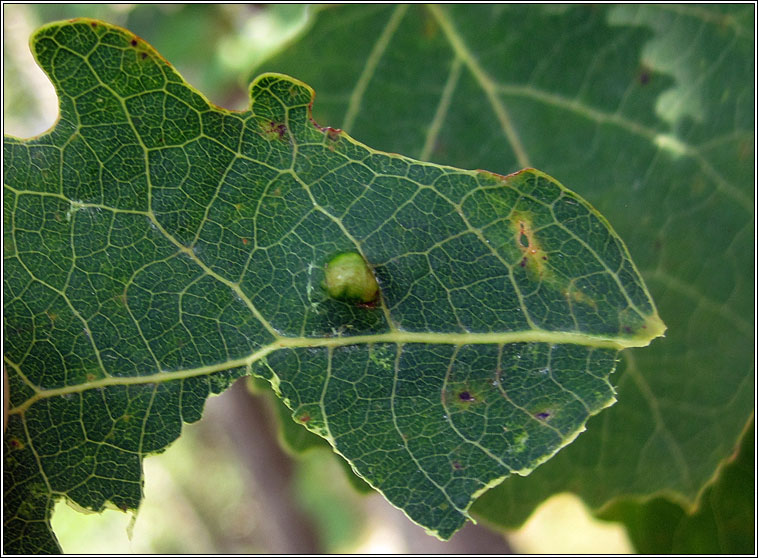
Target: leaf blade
{"points": [[158, 265]]}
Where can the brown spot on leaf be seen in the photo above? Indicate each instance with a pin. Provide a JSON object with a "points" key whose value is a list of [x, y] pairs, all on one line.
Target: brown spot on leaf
{"points": [[523, 239], [370, 305], [465, 396], [279, 129], [333, 136], [274, 130], [533, 256]]}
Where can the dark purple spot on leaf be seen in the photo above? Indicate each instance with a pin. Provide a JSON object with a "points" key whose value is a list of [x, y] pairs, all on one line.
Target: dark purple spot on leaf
{"points": [[134, 42], [544, 415], [465, 396], [280, 129]]}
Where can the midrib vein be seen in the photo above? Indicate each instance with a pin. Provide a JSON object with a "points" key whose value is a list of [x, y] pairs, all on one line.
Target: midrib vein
{"points": [[487, 84], [396, 337]]}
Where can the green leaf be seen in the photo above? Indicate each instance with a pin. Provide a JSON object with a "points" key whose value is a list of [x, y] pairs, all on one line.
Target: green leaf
{"points": [[159, 247], [296, 439], [648, 111], [722, 523]]}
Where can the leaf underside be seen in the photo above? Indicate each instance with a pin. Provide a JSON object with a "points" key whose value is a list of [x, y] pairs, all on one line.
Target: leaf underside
{"points": [[158, 247]]}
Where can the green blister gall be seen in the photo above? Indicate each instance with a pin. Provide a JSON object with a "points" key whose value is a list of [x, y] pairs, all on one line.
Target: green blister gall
{"points": [[348, 277]]}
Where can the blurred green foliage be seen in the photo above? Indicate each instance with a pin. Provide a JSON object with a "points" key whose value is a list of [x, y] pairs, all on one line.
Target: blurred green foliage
{"points": [[214, 50]]}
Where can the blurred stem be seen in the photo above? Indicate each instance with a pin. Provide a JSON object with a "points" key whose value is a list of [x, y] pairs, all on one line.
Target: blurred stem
{"points": [[252, 429]]}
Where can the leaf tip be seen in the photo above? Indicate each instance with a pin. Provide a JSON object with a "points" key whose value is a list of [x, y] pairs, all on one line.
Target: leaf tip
{"points": [[654, 327]]}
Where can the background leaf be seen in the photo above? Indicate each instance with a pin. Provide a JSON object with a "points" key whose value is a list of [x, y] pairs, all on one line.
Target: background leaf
{"points": [[157, 247], [212, 50], [651, 110], [723, 522]]}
